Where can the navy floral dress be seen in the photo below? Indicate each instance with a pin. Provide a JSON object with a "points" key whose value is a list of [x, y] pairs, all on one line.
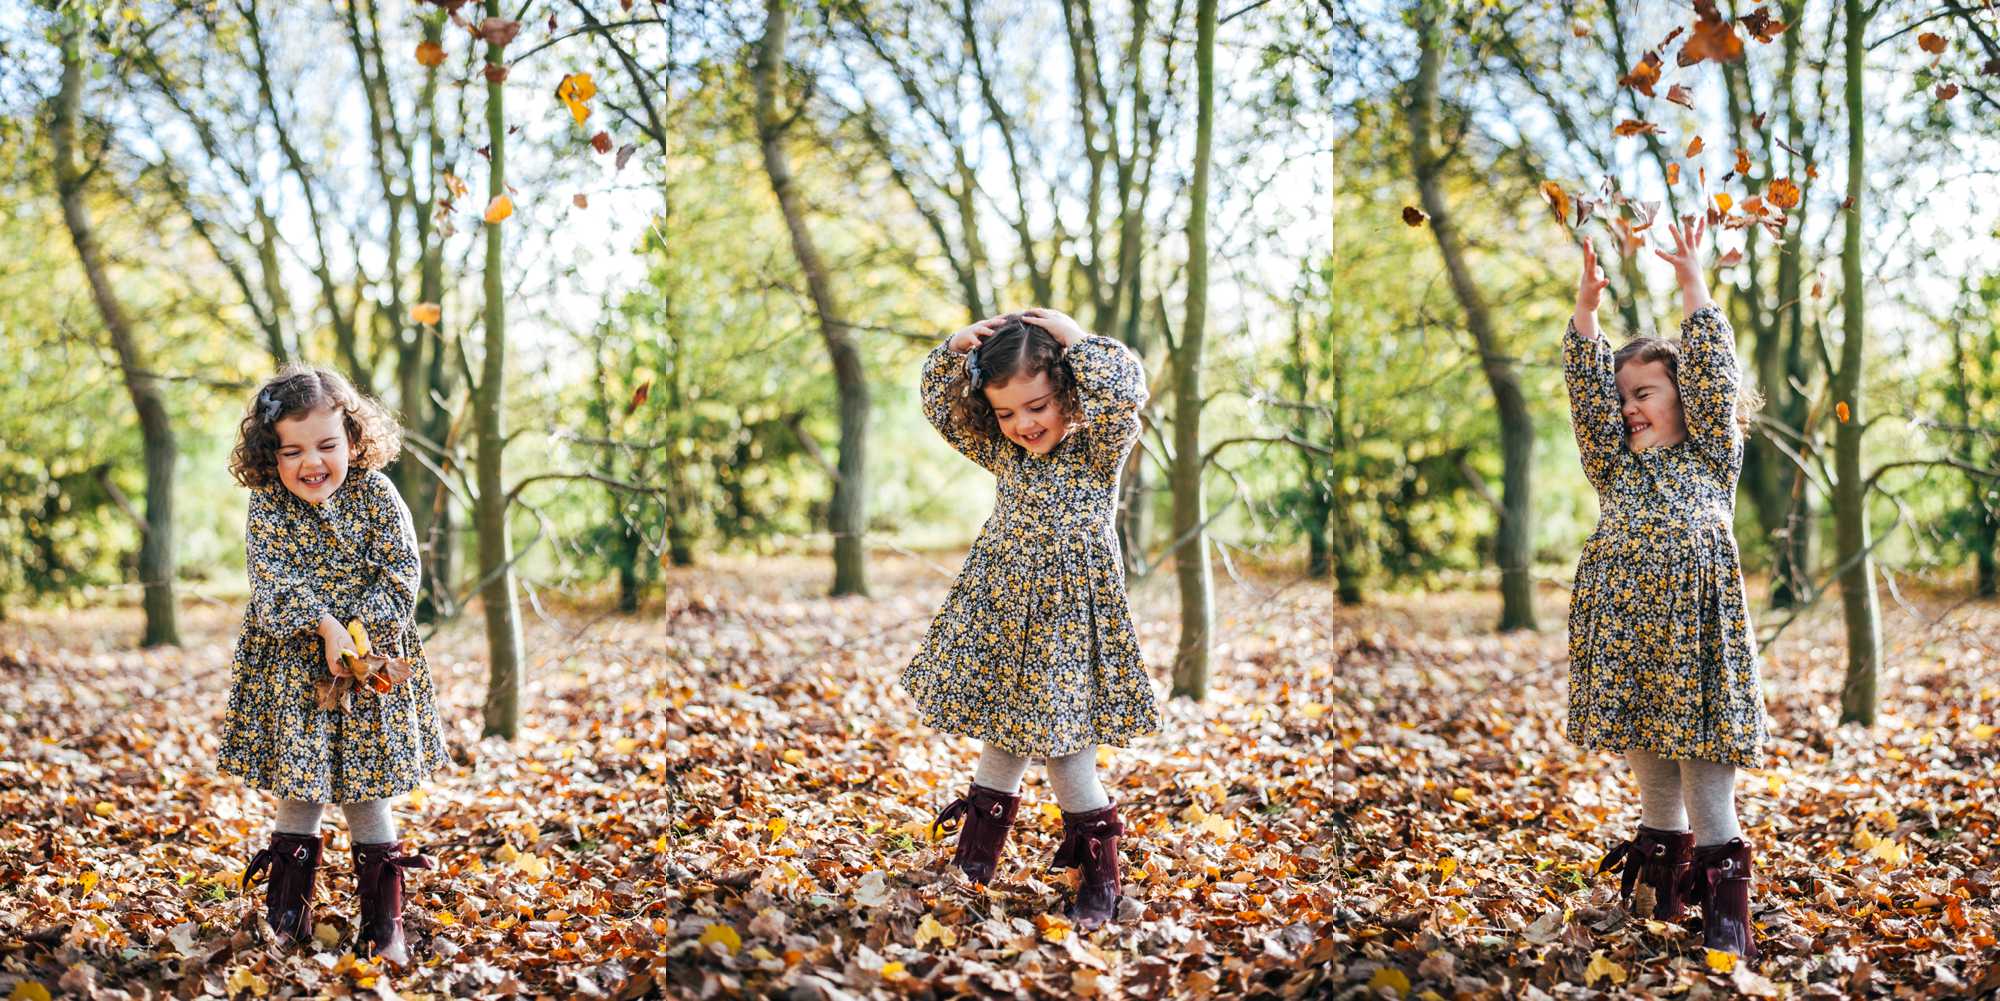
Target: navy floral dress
{"points": [[1034, 649], [354, 556], [1662, 658]]}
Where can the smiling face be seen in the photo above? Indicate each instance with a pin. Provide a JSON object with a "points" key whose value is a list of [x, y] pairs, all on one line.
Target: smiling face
{"points": [[1028, 412], [312, 453], [1651, 405]]}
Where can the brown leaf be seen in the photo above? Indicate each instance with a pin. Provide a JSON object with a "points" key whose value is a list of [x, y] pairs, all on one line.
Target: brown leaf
{"points": [[624, 154], [1681, 95], [639, 397], [1783, 193], [1557, 199], [1761, 25], [1693, 148], [495, 72], [1711, 38], [601, 142], [579, 201], [1742, 161], [1931, 42], [497, 31], [1673, 173], [1644, 75], [1730, 259], [1413, 215], [1946, 91], [1634, 127], [430, 54]]}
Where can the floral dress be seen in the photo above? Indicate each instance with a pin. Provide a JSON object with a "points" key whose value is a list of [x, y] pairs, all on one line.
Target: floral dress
{"points": [[1662, 658], [1034, 649], [354, 556]]}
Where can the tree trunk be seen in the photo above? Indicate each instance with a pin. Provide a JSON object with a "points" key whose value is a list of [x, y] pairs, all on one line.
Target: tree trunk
{"points": [[1517, 429], [156, 546], [847, 512], [1850, 511], [1191, 551], [496, 549], [422, 490]]}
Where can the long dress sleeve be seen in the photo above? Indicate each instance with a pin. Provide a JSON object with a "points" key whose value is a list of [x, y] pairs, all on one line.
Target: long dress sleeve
{"points": [[285, 597], [1111, 389], [939, 370], [1593, 404], [389, 600], [1709, 383]]}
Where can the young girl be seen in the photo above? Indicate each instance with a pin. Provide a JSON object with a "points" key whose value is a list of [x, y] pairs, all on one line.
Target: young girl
{"points": [[329, 541], [1663, 665], [1034, 653]]}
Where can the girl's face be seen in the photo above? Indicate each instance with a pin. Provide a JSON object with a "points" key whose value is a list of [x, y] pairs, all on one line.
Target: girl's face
{"points": [[1652, 405], [312, 453], [1028, 412]]}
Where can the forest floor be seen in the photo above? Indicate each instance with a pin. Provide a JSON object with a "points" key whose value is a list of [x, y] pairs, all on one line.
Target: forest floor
{"points": [[1373, 802]]}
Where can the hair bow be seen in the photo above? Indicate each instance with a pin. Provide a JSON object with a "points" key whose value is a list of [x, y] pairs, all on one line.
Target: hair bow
{"points": [[268, 406], [975, 376]]}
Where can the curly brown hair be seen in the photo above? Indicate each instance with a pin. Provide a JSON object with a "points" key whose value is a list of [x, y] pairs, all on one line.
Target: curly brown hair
{"points": [[1015, 350], [299, 389], [1668, 351]]}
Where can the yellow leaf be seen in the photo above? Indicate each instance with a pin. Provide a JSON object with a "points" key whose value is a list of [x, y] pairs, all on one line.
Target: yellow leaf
{"points": [[359, 634], [1312, 710], [723, 933], [243, 980], [1462, 794], [326, 935], [427, 313], [88, 881], [1721, 962], [445, 917], [625, 745], [573, 91], [931, 930], [1984, 731], [1446, 867], [793, 756], [1051, 812], [1392, 978], [1890, 851], [29, 990], [1222, 828], [891, 971], [103, 808], [1774, 783], [1056, 930], [778, 826], [1722, 203], [416, 800], [1601, 967], [499, 208]]}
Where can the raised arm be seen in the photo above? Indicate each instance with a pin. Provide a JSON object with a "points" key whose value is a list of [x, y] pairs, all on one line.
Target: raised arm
{"points": [[1593, 404], [1710, 382], [1593, 389], [1111, 389], [943, 365], [284, 594]]}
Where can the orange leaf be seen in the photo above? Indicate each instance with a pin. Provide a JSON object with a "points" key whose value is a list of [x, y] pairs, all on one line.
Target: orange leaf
{"points": [[1722, 203], [639, 396], [1742, 161], [1840, 411], [1783, 193], [1762, 26], [428, 313], [1673, 173], [1711, 38], [430, 54], [1694, 148], [500, 208], [1643, 76], [1558, 200], [1931, 42], [1681, 95], [1634, 127]]}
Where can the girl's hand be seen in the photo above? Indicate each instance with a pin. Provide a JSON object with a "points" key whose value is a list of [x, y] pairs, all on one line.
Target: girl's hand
{"points": [[972, 336], [1687, 262], [1059, 325], [333, 637], [1590, 288]]}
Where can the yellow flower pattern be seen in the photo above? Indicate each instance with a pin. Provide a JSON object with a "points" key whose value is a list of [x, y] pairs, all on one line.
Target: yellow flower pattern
{"points": [[1034, 648], [355, 556], [1662, 658]]}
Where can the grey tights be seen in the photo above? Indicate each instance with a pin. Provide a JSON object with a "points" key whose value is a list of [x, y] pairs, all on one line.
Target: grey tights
{"points": [[1677, 795], [368, 822], [1074, 777]]}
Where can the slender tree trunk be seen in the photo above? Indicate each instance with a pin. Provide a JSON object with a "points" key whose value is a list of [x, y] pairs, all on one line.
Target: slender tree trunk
{"points": [[1850, 500], [1191, 554], [1517, 429], [847, 513], [496, 548], [420, 488], [156, 545]]}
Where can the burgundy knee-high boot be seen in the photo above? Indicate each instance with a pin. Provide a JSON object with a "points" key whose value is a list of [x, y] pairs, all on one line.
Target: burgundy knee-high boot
{"points": [[1659, 859], [1090, 845], [293, 864], [988, 815], [378, 875]]}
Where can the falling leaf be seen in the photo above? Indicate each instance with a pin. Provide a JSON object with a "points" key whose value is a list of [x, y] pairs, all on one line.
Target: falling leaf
{"points": [[1635, 127], [1673, 173], [1644, 75], [1946, 91], [723, 933], [639, 397], [1557, 199], [1681, 95], [1693, 148], [1762, 26], [1742, 161], [430, 54], [498, 31], [428, 313], [1722, 202], [1413, 215], [1931, 42], [1783, 193], [579, 200], [575, 92], [1730, 259], [601, 142], [1840, 411], [1711, 38], [499, 208], [624, 153]]}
